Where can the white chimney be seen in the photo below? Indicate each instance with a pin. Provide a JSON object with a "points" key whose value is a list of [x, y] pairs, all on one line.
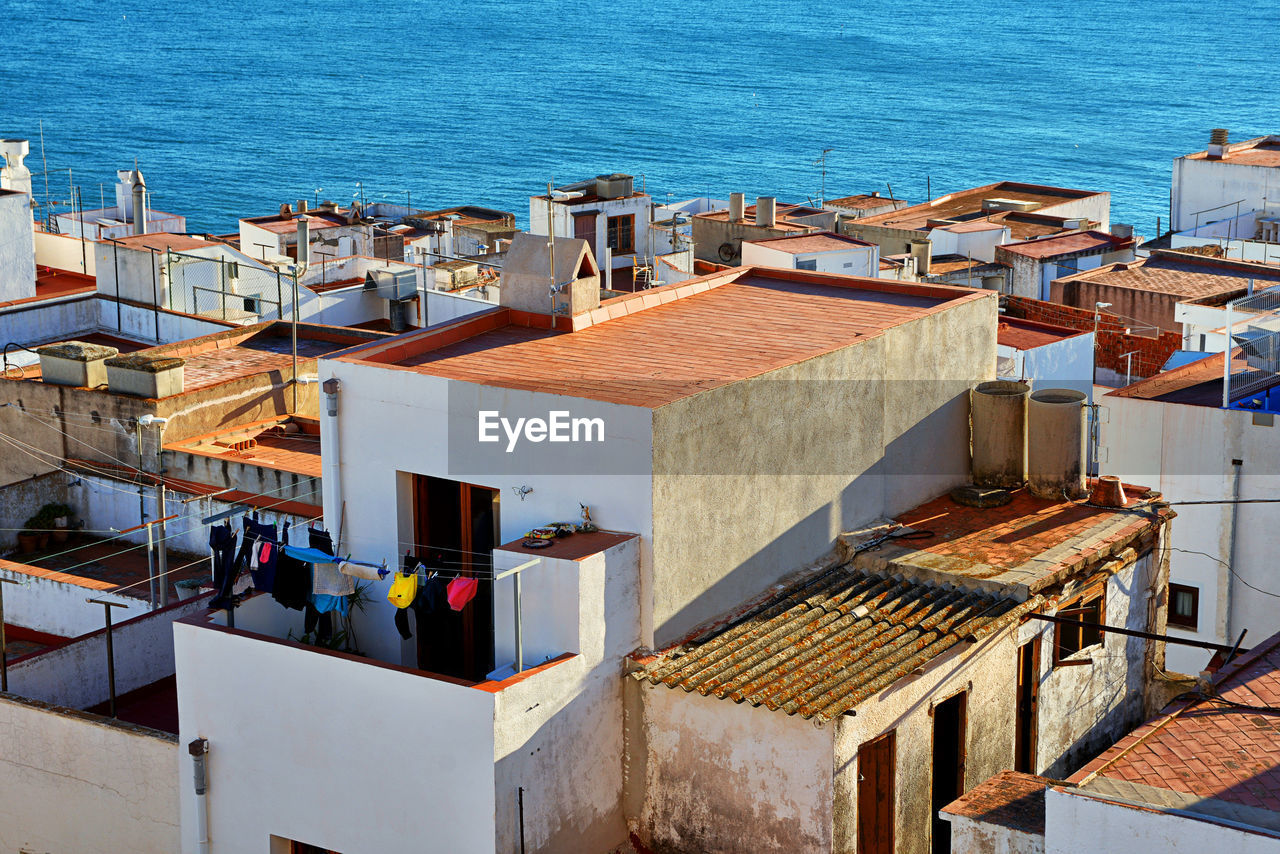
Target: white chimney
{"points": [[1217, 144], [737, 205], [766, 211], [139, 194], [14, 176]]}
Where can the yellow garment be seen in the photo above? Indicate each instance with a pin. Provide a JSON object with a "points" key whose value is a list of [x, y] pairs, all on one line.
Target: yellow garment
{"points": [[403, 590]]}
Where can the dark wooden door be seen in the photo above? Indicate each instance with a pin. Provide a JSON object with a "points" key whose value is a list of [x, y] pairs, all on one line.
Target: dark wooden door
{"points": [[877, 762], [1024, 753], [584, 228], [948, 764]]}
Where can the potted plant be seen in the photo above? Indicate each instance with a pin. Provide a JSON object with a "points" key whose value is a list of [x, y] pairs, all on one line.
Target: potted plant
{"points": [[59, 516], [29, 537]]}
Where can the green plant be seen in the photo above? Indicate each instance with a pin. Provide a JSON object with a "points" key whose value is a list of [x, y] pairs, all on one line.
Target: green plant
{"points": [[56, 511], [35, 524]]}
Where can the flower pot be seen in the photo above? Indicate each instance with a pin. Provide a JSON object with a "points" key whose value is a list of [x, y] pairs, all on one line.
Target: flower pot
{"points": [[189, 588], [44, 539], [61, 529], [28, 542]]}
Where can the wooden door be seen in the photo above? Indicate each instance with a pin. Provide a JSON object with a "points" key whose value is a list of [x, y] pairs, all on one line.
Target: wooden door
{"points": [[877, 761], [1024, 754]]}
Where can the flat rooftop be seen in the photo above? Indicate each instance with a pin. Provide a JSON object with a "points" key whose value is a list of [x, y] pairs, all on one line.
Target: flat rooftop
{"points": [[1215, 756], [1178, 273], [968, 203], [1259, 151], [1067, 244], [160, 241], [863, 201], [317, 220], [782, 216], [658, 346], [1029, 542], [804, 244], [106, 566], [290, 444], [1028, 334], [52, 283]]}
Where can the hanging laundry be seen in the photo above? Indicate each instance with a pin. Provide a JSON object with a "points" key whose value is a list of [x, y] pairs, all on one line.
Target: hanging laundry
{"points": [[404, 587], [461, 591], [320, 624], [265, 551], [361, 570], [292, 578], [326, 580], [222, 543]]}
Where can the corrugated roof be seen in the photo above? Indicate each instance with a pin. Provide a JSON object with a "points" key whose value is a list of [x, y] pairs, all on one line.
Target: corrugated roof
{"points": [[822, 647]]}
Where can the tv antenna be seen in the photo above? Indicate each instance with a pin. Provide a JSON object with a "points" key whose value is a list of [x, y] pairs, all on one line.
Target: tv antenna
{"points": [[822, 161]]}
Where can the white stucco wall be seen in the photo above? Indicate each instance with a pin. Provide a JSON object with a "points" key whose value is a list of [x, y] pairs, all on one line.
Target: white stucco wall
{"points": [[63, 252], [979, 837], [46, 321], [1186, 452], [72, 782], [1076, 822], [330, 750], [1199, 185], [17, 247], [855, 261], [1067, 363], [58, 607]]}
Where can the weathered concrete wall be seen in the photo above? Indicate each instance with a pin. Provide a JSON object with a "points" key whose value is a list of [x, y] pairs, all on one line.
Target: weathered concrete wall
{"points": [[987, 671], [979, 837], [892, 241], [55, 603], [870, 430], [722, 777], [245, 476], [71, 781], [75, 675], [710, 234], [1085, 709], [1141, 307], [44, 322]]}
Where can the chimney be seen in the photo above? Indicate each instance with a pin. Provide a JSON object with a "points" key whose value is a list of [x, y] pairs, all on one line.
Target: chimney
{"points": [[286, 212], [737, 204], [766, 211], [922, 252], [139, 202], [1217, 144], [14, 176], [302, 206], [1121, 230], [304, 241]]}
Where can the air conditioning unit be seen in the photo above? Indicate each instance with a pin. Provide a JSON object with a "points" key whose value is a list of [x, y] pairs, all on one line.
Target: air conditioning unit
{"points": [[392, 284]]}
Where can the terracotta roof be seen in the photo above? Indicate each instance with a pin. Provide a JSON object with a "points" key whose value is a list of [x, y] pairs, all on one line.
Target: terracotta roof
{"points": [[1259, 151], [1028, 334], [826, 644], [1030, 542], [1214, 752], [1010, 799], [316, 221], [992, 223], [863, 202], [782, 213], [161, 241], [52, 283], [949, 263], [283, 444], [1183, 275], [822, 241], [574, 547], [969, 202], [1198, 383], [664, 344], [1066, 244]]}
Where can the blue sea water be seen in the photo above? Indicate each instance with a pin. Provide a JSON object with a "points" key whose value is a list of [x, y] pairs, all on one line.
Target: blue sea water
{"points": [[232, 108]]}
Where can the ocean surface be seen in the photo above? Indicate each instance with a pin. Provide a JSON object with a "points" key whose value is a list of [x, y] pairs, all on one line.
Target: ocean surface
{"points": [[232, 108]]}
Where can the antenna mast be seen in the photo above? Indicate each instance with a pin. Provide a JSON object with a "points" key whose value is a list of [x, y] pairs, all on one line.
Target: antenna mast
{"points": [[822, 161]]}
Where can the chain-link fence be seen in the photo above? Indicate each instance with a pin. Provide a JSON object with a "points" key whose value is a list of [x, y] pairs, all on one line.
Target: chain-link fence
{"points": [[226, 289]]}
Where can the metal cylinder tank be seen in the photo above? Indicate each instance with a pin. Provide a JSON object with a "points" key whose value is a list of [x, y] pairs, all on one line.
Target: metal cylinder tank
{"points": [[1056, 443], [998, 418]]}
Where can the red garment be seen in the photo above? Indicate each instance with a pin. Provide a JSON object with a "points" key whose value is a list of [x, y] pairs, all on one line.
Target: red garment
{"points": [[460, 592]]}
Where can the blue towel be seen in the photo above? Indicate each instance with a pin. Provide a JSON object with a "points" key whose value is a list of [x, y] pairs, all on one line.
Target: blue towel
{"points": [[308, 555]]}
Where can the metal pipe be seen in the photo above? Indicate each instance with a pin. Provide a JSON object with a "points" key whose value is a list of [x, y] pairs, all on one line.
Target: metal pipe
{"points": [[162, 573], [1238, 469], [331, 459], [1133, 633], [199, 749], [111, 658], [518, 627]]}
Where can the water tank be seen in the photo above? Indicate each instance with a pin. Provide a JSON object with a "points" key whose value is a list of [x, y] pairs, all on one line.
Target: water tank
{"points": [[1056, 443], [999, 433], [615, 186]]}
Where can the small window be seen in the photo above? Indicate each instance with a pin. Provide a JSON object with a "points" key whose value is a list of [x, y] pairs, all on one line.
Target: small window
{"points": [[252, 306], [621, 234], [304, 848], [1184, 606], [1071, 638], [808, 264]]}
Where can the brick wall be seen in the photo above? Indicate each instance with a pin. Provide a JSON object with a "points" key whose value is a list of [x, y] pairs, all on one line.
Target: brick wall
{"points": [[1112, 342]]}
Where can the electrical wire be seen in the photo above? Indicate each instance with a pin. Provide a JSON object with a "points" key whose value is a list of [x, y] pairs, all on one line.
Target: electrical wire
{"points": [[1230, 569], [57, 429]]}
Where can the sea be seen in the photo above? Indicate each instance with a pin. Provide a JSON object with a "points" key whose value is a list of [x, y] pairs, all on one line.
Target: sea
{"points": [[232, 108]]}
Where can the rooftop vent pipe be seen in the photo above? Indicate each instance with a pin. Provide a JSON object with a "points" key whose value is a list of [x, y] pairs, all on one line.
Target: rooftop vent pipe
{"points": [[737, 207], [922, 252], [1217, 143], [766, 211], [139, 202]]}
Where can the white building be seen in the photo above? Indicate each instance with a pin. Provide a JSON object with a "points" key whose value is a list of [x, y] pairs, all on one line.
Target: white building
{"points": [[824, 252], [613, 218], [1034, 264], [1045, 355], [119, 220], [1171, 432], [1225, 182]]}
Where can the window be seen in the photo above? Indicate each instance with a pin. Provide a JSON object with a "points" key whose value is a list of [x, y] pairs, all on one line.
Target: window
{"points": [[1088, 608], [304, 848], [621, 235], [1184, 606], [808, 264]]}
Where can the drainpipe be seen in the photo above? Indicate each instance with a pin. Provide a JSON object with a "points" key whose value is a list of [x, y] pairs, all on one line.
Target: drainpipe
{"points": [[199, 749], [1227, 627], [331, 458]]}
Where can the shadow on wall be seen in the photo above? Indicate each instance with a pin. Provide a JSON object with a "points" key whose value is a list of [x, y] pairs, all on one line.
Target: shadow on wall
{"points": [[922, 463]]}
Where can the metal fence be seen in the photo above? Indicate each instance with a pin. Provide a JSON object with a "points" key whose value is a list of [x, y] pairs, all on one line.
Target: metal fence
{"points": [[1253, 325], [226, 289]]}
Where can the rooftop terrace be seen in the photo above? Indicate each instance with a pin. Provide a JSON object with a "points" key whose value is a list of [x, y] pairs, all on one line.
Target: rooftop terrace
{"points": [[968, 203]]}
